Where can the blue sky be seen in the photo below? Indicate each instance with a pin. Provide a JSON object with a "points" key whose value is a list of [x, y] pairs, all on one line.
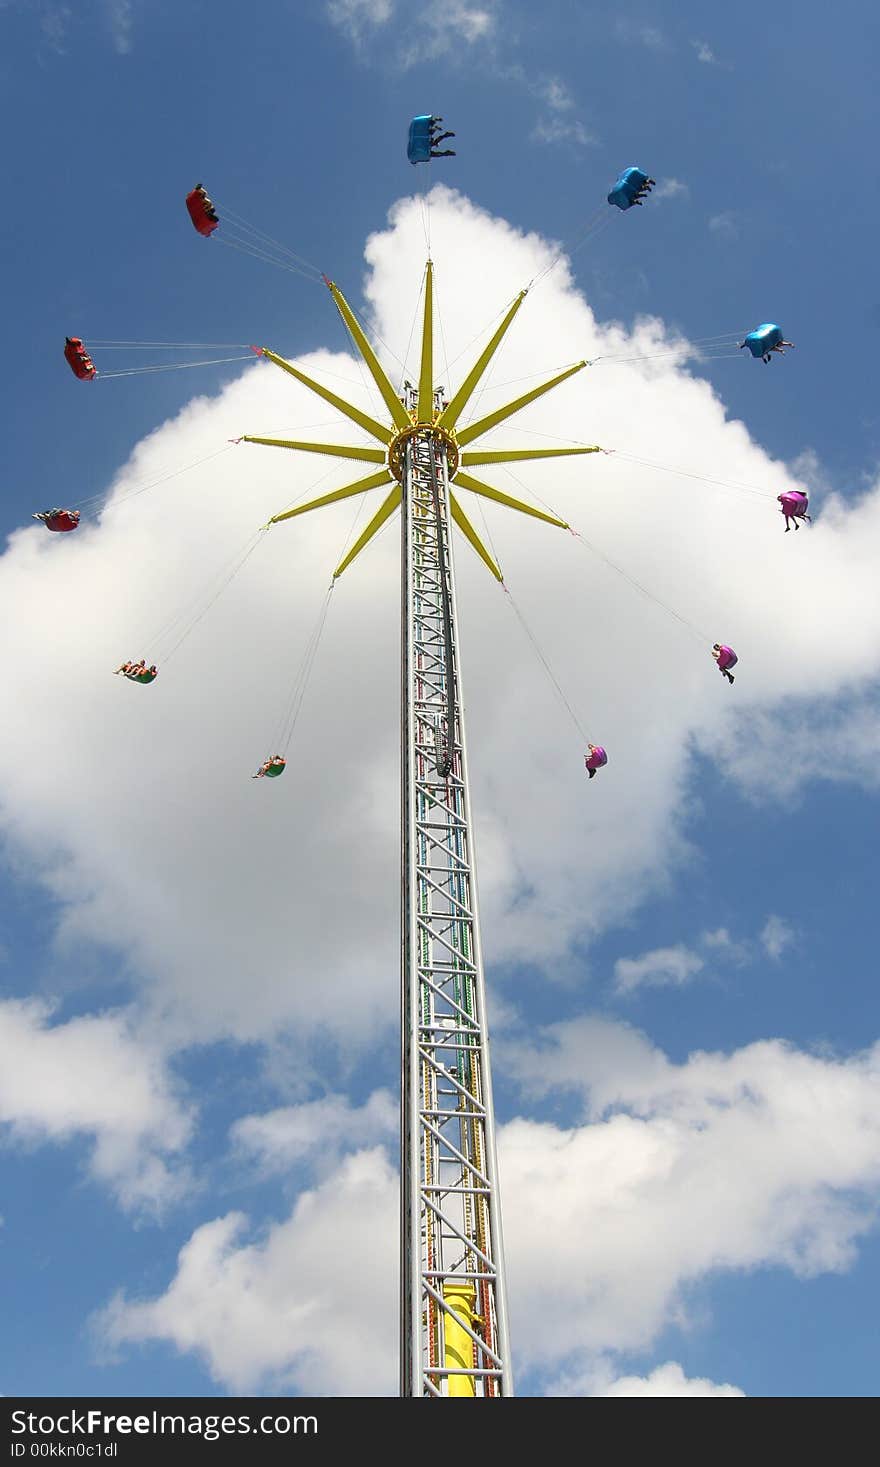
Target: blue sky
{"points": [[727, 855]]}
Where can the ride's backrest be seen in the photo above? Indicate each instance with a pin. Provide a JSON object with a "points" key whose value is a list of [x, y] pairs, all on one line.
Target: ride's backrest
{"points": [[768, 335], [201, 211], [78, 359], [794, 502], [627, 188], [418, 147]]}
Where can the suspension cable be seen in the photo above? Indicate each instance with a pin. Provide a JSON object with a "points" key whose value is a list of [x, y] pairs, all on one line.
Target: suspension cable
{"points": [[482, 332], [244, 247], [426, 209], [702, 637], [242, 224], [287, 728], [706, 346], [313, 484], [231, 577], [294, 705], [186, 615], [616, 453], [721, 351], [595, 224], [439, 314], [166, 345], [733, 484], [545, 664], [412, 332], [151, 484], [168, 367], [610, 563]]}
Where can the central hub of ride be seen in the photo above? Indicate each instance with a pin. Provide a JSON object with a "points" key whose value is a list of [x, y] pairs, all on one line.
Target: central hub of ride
{"points": [[444, 442]]}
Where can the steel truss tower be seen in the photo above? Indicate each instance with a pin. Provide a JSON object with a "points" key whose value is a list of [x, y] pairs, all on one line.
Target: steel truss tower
{"points": [[454, 1335]]}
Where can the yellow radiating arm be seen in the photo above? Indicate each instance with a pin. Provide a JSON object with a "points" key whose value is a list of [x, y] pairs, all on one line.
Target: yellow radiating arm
{"points": [[375, 429], [372, 481], [511, 455], [476, 430], [386, 508], [395, 407], [425, 412], [453, 409], [335, 450], [464, 481], [470, 533]]}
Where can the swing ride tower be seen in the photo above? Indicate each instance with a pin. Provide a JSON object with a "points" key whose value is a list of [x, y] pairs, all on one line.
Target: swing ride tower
{"points": [[453, 1313], [454, 1337]]}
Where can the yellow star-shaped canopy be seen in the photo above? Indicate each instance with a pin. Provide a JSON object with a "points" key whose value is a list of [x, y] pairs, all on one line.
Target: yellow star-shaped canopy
{"points": [[404, 424]]}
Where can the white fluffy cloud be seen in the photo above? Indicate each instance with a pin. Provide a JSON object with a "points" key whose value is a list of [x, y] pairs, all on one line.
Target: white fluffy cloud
{"points": [[671, 188], [705, 53], [453, 25], [393, 37], [240, 886], [776, 936], [768, 1156], [774, 759], [665, 965], [725, 225], [674, 966], [357, 17], [316, 1131], [121, 24], [666, 1380], [636, 33], [554, 128], [93, 1078], [308, 1304]]}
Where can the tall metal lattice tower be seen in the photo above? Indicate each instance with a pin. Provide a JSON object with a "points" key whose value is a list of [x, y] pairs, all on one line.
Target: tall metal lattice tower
{"points": [[454, 1335], [453, 1319]]}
